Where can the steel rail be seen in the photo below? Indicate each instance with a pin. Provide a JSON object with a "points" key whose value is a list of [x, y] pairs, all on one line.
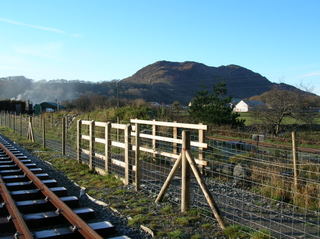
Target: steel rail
{"points": [[78, 224], [23, 231]]}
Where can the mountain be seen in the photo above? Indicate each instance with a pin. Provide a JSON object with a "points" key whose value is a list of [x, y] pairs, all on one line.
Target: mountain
{"points": [[162, 81], [169, 81]]}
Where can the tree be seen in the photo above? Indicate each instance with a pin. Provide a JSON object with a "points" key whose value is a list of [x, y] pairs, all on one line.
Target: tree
{"points": [[214, 107], [283, 104]]}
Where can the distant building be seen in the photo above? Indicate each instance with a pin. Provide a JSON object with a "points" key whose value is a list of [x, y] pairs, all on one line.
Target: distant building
{"points": [[15, 106], [247, 105], [47, 107]]}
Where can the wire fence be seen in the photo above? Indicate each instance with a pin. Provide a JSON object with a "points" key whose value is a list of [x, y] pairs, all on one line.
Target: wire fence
{"points": [[259, 187]]}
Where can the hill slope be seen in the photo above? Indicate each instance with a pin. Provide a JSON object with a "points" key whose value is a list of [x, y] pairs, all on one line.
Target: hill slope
{"points": [[168, 81], [162, 82]]}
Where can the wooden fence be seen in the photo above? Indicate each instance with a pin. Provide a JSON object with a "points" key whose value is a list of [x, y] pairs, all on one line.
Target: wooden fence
{"points": [[131, 143]]}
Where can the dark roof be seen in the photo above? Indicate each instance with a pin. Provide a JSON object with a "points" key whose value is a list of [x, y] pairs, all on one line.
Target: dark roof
{"points": [[51, 105], [235, 101]]}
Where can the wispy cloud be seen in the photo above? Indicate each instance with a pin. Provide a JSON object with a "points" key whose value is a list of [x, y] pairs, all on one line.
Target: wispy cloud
{"points": [[38, 27], [311, 74]]}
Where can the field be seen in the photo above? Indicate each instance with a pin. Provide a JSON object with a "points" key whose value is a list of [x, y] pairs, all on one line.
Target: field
{"points": [[253, 184]]}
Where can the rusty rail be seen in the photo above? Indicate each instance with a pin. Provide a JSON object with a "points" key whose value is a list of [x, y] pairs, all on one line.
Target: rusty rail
{"points": [[23, 231], [78, 224]]}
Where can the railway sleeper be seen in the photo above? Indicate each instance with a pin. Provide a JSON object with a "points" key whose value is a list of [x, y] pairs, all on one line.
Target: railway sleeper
{"points": [[47, 219], [105, 229], [23, 178], [19, 171], [29, 184], [39, 205], [36, 193], [12, 166], [9, 161]]}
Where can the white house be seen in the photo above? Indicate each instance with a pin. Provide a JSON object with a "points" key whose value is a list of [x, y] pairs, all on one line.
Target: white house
{"points": [[246, 106]]}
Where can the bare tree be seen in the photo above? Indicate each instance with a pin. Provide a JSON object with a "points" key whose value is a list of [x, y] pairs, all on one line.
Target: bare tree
{"points": [[281, 104]]}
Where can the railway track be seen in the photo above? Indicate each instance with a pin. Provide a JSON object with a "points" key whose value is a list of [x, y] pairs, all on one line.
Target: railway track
{"points": [[32, 205]]}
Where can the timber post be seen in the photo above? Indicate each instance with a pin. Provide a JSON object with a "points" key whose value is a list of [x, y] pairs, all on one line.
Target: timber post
{"points": [[154, 144], [185, 172], [63, 140], [294, 159], [201, 136], [20, 125], [91, 144], [175, 136], [107, 149], [137, 158], [127, 171], [79, 122], [44, 132]]}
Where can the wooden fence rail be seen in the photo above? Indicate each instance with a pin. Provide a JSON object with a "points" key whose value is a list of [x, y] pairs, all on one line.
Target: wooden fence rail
{"points": [[130, 132]]}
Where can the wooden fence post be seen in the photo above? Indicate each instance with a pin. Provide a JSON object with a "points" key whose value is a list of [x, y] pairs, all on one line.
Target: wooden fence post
{"points": [[215, 210], [20, 124], [79, 122], [10, 120], [201, 137], [91, 144], [127, 171], [154, 144], [185, 172], [41, 121], [107, 149], [63, 140], [137, 157], [14, 121], [44, 132], [295, 159], [175, 136], [30, 135]]}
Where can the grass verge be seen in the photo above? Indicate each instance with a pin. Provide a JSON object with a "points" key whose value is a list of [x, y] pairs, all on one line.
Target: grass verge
{"points": [[164, 219]]}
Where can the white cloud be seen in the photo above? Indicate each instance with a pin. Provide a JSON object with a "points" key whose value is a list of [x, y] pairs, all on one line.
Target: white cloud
{"points": [[38, 27]]}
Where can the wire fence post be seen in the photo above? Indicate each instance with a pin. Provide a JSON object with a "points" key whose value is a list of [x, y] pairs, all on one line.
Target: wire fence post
{"points": [[294, 159], [185, 172], [44, 132], [137, 157], [127, 133], [107, 149], [79, 122], [63, 140]]}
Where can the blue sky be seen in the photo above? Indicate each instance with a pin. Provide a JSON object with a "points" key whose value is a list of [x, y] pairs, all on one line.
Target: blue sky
{"points": [[104, 40]]}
